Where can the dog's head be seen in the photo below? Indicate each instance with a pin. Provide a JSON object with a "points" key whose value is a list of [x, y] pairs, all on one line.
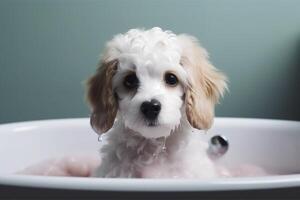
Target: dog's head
{"points": [[154, 80]]}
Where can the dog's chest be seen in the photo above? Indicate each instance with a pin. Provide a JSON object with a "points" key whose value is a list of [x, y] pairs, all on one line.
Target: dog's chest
{"points": [[132, 160], [152, 159]]}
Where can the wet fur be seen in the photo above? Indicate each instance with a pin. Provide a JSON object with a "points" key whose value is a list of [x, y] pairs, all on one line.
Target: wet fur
{"points": [[172, 149]]}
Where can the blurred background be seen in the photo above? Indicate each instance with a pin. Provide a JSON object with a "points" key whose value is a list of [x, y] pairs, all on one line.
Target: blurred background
{"points": [[49, 47]]}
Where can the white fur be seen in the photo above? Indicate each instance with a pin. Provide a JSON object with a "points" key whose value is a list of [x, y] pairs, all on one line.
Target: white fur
{"points": [[172, 148], [128, 154]]}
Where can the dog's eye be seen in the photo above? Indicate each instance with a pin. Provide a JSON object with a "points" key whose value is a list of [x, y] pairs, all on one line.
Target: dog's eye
{"points": [[171, 79], [131, 81]]}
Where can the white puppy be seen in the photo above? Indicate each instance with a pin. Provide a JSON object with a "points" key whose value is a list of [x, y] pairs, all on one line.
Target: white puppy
{"points": [[161, 88]]}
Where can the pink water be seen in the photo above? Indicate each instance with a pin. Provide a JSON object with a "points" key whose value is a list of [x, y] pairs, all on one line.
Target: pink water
{"points": [[83, 166]]}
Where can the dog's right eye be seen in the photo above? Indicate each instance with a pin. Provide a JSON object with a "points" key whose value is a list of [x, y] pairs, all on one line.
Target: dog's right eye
{"points": [[131, 81]]}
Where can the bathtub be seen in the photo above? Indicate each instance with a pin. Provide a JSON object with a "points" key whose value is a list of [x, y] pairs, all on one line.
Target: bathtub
{"points": [[271, 144]]}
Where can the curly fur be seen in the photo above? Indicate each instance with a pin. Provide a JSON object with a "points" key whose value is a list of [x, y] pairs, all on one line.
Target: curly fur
{"points": [[172, 148]]}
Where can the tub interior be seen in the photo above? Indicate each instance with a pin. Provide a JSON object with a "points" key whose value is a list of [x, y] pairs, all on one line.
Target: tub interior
{"points": [[271, 144]]}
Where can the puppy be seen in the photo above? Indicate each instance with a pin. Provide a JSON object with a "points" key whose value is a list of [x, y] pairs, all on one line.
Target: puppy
{"points": [[151, 95]]}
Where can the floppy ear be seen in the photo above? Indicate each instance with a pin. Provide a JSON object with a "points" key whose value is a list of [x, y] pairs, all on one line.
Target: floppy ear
{"points": [[205, 83], [101, 97]]}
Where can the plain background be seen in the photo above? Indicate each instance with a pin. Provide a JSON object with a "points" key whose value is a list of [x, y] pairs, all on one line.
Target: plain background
{"points": [[49, 47]]}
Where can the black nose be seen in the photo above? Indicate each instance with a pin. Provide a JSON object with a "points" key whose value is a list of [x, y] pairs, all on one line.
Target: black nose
{"points": [[151, 109]]}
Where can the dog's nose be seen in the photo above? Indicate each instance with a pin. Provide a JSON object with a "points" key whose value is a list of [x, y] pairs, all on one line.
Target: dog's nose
{"points": [[151, 109]]}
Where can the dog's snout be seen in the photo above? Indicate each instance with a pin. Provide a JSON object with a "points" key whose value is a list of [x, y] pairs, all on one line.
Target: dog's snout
{"points": [[151, 109]]}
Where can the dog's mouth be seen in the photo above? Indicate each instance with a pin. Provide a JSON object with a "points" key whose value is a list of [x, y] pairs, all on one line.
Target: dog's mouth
{"points": [[150, 128], [152, 123]]}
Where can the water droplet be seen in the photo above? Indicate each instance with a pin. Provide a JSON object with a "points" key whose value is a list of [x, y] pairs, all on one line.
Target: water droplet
{"points": [[164, 148], [101, 137]]}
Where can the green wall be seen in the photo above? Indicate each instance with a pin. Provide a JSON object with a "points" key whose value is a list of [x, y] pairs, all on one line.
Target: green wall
{"points": [[49, 47]]}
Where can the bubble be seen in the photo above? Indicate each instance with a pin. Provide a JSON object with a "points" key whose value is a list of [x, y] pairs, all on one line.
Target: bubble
{"points": [[218, 146]]}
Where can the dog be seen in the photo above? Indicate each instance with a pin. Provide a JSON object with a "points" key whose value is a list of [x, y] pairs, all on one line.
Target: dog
{"points": [[152, 96]]}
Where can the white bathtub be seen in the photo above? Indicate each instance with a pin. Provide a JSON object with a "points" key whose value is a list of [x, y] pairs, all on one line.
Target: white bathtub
{"points": [[272, 144]]}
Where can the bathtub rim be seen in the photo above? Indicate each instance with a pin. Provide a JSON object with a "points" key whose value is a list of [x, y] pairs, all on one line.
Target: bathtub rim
{"points": [[152, 185]]}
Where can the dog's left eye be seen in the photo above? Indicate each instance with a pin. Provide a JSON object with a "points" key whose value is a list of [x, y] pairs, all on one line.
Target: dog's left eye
{"points": [[171, 79], [131, 81]]}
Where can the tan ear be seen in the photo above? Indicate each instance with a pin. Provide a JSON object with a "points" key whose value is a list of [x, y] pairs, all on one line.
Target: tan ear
{"points": [[101, 97], [205, 85]]}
